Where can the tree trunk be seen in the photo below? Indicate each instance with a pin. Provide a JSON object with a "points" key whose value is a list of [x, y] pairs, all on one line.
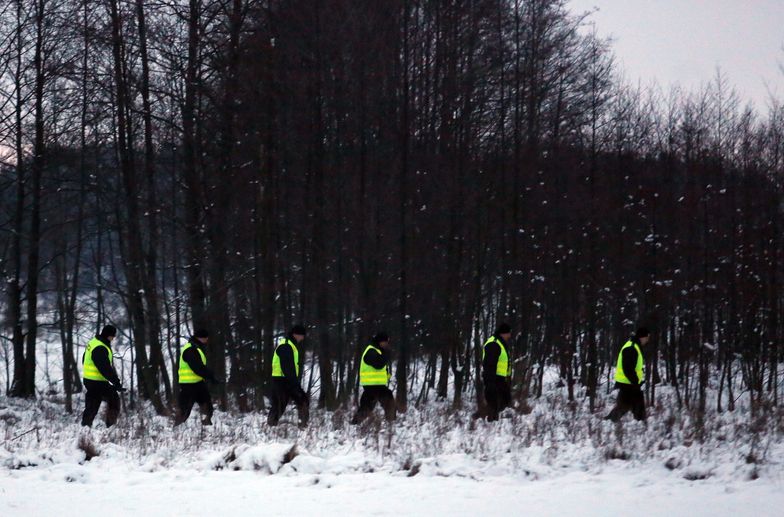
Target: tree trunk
{"points": [[132, 244]]}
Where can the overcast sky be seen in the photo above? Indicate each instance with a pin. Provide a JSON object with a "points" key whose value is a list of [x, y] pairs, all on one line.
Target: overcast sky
{"points": [[683, 41]]}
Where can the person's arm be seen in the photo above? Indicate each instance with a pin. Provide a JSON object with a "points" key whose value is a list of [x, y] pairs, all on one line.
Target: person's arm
{"points": [[287, 364], [629, 365], [286, 355], [375, 359], [192, 357], [101, 360], [490, 361]]}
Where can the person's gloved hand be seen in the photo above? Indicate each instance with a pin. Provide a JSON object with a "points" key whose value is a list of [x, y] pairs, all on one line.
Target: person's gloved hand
{"points": [[119, 388], [216, 381]]}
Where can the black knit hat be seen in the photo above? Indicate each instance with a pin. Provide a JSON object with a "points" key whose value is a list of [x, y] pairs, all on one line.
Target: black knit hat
{"points": [[298, 329], [380, 337], [503, 328], [201, 333], [109, 331], [642, 332]]}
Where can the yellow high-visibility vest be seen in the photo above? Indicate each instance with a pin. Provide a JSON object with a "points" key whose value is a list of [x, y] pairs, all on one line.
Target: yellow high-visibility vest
{"points": [[503, 367], [185, 373], [277, 371], [619, 375], [370, 375], [90, 370]]}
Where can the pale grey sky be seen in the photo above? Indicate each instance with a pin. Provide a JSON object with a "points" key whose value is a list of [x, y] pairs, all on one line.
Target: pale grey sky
{"points": [[683, 41]]}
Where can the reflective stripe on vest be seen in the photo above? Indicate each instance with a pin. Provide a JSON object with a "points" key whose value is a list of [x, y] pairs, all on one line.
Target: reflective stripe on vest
{"points": [[503, 368], [90, 370], [619, 375], [277, 371], [185, 373], [370, 375]]}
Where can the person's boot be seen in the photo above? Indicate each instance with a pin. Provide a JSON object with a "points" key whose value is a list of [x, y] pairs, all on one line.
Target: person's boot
{"points": [[111, 417], [304, 415], [613, 415], [390, 412], [206, 412], [359, 416], [87, 420]]}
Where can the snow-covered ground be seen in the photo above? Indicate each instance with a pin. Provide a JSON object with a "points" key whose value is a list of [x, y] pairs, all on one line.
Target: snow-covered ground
{"points": [[559, 459], [117, 491]]}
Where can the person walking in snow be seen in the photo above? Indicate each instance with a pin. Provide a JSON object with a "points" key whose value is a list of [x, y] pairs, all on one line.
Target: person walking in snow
{"points": [[192, 375], [497, 371], [285, 378], [100, 378], [374, 375], [629, 376]]}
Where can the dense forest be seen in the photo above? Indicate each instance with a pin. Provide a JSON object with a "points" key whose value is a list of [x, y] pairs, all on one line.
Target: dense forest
{"points": [[427, 167]]}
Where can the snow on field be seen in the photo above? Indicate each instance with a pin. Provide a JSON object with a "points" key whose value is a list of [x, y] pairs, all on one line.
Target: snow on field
{"points": [[115, 491], [559, 459]]}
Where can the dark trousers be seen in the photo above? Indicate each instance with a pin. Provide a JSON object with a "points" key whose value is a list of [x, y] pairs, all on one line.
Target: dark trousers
{"points": [[498, 396], [372, 395], [630, 398], [97, 392], [281, 392], [190, 394]]}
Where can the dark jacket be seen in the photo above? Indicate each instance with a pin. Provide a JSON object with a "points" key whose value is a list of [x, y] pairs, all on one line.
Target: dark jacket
{"points": [[376, 359], [628, 364], [490, 362], [101, 360], [193, 358], [286, 355]]}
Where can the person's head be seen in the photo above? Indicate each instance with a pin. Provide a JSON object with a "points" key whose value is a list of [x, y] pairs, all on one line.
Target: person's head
{"points": [[643, 335], [108, 333], [298, 333], [504, 331], [381, 339], [202, 336]]}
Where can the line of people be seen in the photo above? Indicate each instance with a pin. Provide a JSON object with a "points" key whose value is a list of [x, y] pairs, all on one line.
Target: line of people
{"points": [[103, 384]]}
